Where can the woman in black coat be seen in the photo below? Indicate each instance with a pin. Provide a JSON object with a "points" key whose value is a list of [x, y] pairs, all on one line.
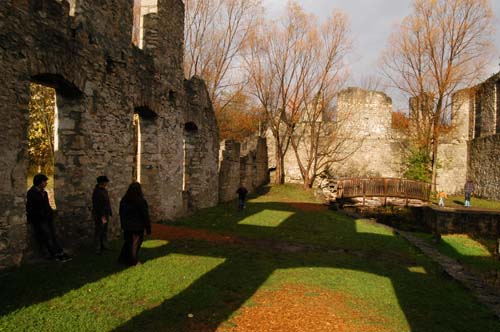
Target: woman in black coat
{"points": [[134, 218]]}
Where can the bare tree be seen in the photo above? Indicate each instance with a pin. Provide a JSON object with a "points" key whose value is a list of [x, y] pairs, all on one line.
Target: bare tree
{"points": [[215, 32], [273, 61], [443, 46], [295, 68], [318, 144]]}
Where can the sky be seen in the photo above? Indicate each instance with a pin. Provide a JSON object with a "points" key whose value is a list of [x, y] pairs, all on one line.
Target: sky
{"points": [[372, 21]]}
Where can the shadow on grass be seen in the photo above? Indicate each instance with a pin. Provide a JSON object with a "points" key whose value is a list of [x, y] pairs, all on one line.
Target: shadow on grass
{"points": [[32, 284], [217, 295], [428, 301]]}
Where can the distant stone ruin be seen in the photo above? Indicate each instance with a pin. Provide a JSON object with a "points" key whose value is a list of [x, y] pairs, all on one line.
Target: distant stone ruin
{"points": [[470, 149]]}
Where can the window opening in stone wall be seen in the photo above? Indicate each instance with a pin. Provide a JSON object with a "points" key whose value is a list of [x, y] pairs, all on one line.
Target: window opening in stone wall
{"points": [[137, 149], [498, 106], [477, 116], [142, 114], [141, 9], [42, 135], [72, 5]]}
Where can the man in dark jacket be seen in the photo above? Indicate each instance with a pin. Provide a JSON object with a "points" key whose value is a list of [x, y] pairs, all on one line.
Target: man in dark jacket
{"points": [[101, 213], [40, 214], [242, 194]]}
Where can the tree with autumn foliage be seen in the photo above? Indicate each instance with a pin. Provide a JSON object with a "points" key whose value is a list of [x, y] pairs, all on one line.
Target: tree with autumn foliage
{"points": [[215, 34], [296, 67], [240, 119], [441, 47], [41, 128]]}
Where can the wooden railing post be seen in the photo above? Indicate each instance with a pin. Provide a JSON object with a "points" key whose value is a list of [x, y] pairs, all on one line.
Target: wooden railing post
{"points": [[385, 192], [364, 191]]}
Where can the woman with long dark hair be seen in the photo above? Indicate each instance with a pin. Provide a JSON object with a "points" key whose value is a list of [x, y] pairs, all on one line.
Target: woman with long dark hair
{"points": [[134, 219]]}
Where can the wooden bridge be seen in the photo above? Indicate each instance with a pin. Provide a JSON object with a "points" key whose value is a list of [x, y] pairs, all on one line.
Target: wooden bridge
{"points": [[383, 187]]}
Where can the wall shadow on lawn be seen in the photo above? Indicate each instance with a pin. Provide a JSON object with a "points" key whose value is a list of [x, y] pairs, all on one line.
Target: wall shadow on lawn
{"points": [[36, 283], [214, 297]]}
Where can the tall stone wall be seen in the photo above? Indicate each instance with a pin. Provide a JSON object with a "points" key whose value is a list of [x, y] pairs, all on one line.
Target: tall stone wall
{"points": [[484, 149], [472, 149], [484, 166], [101, 80], [229, 170], [486, 107], [202, 147], [453, 146]]}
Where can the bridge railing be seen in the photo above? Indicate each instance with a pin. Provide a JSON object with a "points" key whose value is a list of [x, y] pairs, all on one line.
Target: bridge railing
{"points": [[383, 187]]}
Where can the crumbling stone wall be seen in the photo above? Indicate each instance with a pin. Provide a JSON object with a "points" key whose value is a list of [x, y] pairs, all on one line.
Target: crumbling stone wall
{"points": [[229, 170], [453, 145], [253, 163], [484, 166], [366, 120], [201, 141], [484, 148], [472, 148], [244, 163], [101, 80], [369, 145]]}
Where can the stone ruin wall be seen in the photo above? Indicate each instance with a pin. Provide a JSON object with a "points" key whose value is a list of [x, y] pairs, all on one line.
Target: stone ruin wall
{"points": [[201, 142], [366, 120], [453, 147], [484, 148], [472, 149], [245, 163], [101, 80]]}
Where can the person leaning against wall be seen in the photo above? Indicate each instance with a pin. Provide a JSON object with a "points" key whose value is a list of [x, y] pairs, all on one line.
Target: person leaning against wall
{"points": [[101, 213], [41, 215]]}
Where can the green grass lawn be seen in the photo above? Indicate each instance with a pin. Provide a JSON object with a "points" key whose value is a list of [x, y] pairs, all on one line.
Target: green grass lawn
{"points": [[475, 253], [379, 281]]}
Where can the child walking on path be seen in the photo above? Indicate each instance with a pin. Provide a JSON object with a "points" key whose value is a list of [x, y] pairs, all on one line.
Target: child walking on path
{"points": [[442, 196]]}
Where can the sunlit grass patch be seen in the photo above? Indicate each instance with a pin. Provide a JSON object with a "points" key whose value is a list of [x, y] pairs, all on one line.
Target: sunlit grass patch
{"points": [[475, 253], [365, 226], [266, 218]]}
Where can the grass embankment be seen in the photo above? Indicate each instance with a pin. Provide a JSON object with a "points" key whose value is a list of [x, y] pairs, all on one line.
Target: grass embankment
{"points": [[342, 275], [475, 253]]}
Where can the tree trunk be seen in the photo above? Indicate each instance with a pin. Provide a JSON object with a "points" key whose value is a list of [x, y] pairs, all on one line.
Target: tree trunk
{"points": [[280, 165], [434, 165]]}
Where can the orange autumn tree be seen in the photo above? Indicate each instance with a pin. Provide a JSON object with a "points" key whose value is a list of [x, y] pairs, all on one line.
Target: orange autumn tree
{"points": [[441, 47]]}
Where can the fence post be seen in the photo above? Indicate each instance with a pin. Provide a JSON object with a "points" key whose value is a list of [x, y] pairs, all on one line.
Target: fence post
{"points": [[385, 191], [406, 192], [364, 191]]}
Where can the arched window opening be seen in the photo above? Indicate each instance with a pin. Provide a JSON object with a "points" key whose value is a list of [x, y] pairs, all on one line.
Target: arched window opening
{"points": [[57, 82], [143, 116], [190, 127]]}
